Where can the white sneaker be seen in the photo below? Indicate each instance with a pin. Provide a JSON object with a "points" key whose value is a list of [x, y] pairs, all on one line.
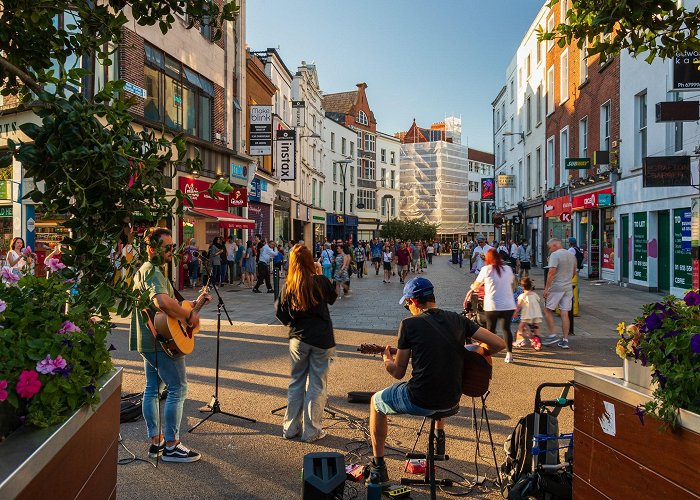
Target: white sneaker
{"points": [[509, 357]]}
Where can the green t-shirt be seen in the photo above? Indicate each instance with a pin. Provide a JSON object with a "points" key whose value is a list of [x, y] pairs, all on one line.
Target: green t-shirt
{"points": [[151, 278]]}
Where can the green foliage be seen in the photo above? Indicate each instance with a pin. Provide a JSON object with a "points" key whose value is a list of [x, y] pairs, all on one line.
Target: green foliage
{"points": [[412, 229], [658, 28]]}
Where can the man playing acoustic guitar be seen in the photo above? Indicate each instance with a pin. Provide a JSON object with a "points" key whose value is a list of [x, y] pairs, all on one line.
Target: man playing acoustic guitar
{"points": [[157, 364], [434, 341]]}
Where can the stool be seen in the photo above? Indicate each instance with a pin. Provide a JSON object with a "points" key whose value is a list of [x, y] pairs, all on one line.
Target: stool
{"points": [[430, 457]]}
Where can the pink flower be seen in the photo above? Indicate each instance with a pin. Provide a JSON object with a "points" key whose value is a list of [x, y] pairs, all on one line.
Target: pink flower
{"points": [[28, 384], [8, 276], [3, 306], [3, 390], [49, 366], [55, 264], [26, 250], [67, 327]]}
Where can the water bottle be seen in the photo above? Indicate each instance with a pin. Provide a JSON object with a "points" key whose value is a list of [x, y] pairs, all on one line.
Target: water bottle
{"points": [[374, 491]]}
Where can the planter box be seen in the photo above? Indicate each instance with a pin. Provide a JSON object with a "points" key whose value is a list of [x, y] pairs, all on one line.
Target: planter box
{"points": [[76, 459], [615, 456], [637, 374]]}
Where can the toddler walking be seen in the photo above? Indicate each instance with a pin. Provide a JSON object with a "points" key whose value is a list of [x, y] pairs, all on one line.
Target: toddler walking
{"points": [[530, 310]]}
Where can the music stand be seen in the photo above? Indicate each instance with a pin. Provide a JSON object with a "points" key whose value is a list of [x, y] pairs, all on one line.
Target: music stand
{"points": [[214, 405]]}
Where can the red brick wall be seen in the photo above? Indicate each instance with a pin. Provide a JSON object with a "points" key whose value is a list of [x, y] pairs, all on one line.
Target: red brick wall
{"points": [[361, 105], [131, 63]]}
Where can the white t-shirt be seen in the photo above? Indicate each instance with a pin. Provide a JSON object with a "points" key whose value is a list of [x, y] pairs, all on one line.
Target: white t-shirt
{"points": [[480, 255], [431, 249], [387, 256], [530, 307], [498, 290], [514, 251]]}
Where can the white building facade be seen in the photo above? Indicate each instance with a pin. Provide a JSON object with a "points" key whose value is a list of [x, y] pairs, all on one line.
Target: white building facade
{"points": [[388, 172]]}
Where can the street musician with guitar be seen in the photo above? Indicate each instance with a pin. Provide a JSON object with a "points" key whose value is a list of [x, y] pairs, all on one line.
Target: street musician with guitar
{"points": [[160, 364], [433, 340]]}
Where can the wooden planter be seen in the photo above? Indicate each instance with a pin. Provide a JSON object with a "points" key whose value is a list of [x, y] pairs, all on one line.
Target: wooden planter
{"points": [[615, 456], [76, 459]]}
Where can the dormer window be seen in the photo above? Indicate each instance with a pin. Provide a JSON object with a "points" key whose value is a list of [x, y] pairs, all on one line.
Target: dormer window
{"points": [[362, 118]]}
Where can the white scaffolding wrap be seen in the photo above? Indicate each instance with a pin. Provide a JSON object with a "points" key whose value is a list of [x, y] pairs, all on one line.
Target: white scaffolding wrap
{"points": [[434, 185]]}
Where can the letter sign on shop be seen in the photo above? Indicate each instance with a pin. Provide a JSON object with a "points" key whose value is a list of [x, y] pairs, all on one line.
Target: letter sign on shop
{"points": [[261, 130], [299, 112], [686, 75], [285, 155]]}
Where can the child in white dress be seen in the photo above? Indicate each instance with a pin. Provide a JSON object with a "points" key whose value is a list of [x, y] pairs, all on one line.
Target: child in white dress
{"points": [[530, 309]]}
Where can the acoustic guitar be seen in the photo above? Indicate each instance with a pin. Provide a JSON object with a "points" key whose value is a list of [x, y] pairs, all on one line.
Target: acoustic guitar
{"points": [[175, 337], [477, 367]]}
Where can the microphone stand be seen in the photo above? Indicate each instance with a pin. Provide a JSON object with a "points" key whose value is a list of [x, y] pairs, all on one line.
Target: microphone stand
{"points": [[214, 405]]}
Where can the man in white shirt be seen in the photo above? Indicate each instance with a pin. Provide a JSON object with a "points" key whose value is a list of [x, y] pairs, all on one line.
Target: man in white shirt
{"points": [[479, 253], [513, 254], [267, 253], [558, 291], [231, 258]]}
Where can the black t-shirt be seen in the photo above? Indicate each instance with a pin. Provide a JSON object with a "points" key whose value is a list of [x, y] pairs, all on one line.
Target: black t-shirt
{"points": [[436, 356], [313, 327]]}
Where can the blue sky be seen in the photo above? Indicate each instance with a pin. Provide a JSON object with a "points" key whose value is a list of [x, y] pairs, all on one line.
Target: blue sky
{"points": [[420, 59]]}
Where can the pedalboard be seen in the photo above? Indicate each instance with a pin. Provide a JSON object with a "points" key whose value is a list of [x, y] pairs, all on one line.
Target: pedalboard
{"points": [[398, 492], [355, 472]]}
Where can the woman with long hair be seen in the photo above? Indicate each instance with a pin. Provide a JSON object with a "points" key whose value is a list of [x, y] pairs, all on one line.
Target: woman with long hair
{"points": [[497, 280], [303, 306], [387, 259], [341, 276], [249, 265], [15, 259]]}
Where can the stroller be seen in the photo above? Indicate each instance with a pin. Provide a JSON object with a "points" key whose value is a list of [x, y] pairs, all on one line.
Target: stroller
{"points": [[474, 306], [533, 468]]}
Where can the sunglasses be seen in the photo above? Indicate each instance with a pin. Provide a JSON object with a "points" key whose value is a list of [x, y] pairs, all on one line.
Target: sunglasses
{"points": [[168, 248]]}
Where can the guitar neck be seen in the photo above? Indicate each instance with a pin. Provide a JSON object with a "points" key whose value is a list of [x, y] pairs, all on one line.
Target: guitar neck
{"points": [[200, 301]]}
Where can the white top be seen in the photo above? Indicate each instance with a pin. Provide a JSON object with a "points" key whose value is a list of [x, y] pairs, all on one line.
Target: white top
{"points": [[20, 262], [514, 251], [498, 290], [565, 264], [530, 307], [431, 249], [480, 255], [267, 254], [230, 251], [387, 256]]}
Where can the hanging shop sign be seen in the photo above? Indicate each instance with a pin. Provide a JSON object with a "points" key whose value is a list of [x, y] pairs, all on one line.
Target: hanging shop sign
{"points": [[506, 181], [682, 261], [589, 200], [260, 130], [239, 173], [488, 193], [557, 206], [639, 246], [238, 197], [666, 171], [686, 72], [605, 200], [577, 163], [255, 189], [299, 112], [285, 155], [196, 190]]}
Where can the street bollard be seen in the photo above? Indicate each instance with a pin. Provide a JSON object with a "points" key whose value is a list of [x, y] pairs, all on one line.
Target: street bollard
{"points": [[276, 280]]}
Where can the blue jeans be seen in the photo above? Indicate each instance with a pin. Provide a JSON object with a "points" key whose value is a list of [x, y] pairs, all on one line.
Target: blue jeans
{"points": [[193, 270], [305, 403], [173, 373], [394, 400], [217, 274]]}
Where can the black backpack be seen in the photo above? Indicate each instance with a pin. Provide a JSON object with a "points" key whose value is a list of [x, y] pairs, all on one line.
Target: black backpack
{"points": [[579, 258], [131, 408], [504, 255]]}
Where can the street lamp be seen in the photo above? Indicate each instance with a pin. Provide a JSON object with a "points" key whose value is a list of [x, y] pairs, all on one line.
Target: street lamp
{"points": [[343, 170], [519, 134]]}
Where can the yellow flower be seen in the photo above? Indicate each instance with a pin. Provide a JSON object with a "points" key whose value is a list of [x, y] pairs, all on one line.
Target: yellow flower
{"points": [[633, 329], [621, 328], [620, 349]]}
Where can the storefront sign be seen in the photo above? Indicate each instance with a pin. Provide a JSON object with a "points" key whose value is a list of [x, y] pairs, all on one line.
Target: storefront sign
{"points": [[565, 217], [196, 189], [238, 172], [283, 200], [239, 197], [605, 200], [639, 246], [488, 193], [686, 75], [135, 89], [506, 181], [285, 155], [261, 130], [5, 211], [682, 262], [557, 206], [608, 258], [299, 111], [8, 128], [589, 200], [577, 163], [5, 190], [254, 193], [319, 218], [339, 220], [666, 171]]}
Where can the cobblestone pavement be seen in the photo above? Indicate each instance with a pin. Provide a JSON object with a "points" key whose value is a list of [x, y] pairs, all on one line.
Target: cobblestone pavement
{"points": [[252, 460]]}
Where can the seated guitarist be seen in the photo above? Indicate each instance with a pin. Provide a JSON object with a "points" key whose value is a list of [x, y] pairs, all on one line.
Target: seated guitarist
{"points": [[433, 340], [157, 364]]}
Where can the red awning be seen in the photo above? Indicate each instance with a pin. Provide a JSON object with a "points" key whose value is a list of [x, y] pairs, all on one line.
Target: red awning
{"points": [[226, 220]]}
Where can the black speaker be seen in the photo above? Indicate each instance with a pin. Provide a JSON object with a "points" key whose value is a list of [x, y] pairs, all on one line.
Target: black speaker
{"points": [[324, 476]]}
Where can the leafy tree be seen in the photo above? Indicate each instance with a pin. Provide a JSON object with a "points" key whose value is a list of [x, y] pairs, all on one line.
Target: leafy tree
{"points": [[660, 28], [412, 229]]}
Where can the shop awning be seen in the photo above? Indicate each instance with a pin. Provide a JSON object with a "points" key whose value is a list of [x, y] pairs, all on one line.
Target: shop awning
{"points": [[226, 220]]}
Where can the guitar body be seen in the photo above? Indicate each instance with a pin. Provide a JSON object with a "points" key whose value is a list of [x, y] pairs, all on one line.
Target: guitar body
{"points": [[178, 338]]}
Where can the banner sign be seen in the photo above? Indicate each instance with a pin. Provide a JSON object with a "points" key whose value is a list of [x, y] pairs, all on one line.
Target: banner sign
{"points": [[238, 197], [506, 181], [577, 163], [686, 75], [285, 155], [261, 130], [557, 206], [239, 172], [299, 114], [666, 171], [639, 246], [682, 262], [254, 193], [608, 258], [488, 193], [591, 200], [196, 189]]}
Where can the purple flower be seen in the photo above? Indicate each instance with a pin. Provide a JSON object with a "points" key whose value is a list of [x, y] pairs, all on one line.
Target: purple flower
{"points": [[692, 298], [64, 371], [673, 333], [67, 342], [67, 327], [662, 380], [55, 264], [643, 358], [90, 332], [8, 276], [639, 411], [653, 321], [3, 306], [635, 351], [49, 366], [90, 388], [695, 343], [111, 347]]}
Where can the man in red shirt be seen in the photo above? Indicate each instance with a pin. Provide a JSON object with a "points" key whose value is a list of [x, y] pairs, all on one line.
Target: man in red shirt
{"points": [[403, 258]]}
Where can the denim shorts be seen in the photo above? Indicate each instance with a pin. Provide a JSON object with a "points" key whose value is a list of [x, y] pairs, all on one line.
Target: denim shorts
{"points": [[394, 400]]}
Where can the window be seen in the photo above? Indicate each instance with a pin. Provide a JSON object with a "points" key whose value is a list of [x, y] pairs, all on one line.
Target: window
{"points": [[550, 163], [320, 193], [550, 28], [539, 51], [362, 118], [335, 197], [564, 76], [562, 11], [383, 155], [205, 28], [538, 105], [503, 113], [352, 149], [583, 63], [605, 114], [538, 171], [370, 143], [498, 153], [392, 174], [313, 192], [393, 157], [641, 120], [341, 199], [583, 142], [528, 113], [383, 177], [335, 173], [498, 118], [352, 202], [512, 90], [528, 176], [359, 142], [550, 90], [352, 174], [528, 63], [368, 172], [677, 127], [563, 154], [343, 145], [177, 96], [471, 166], [367, 198], [512, 137], [332, 141]]}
